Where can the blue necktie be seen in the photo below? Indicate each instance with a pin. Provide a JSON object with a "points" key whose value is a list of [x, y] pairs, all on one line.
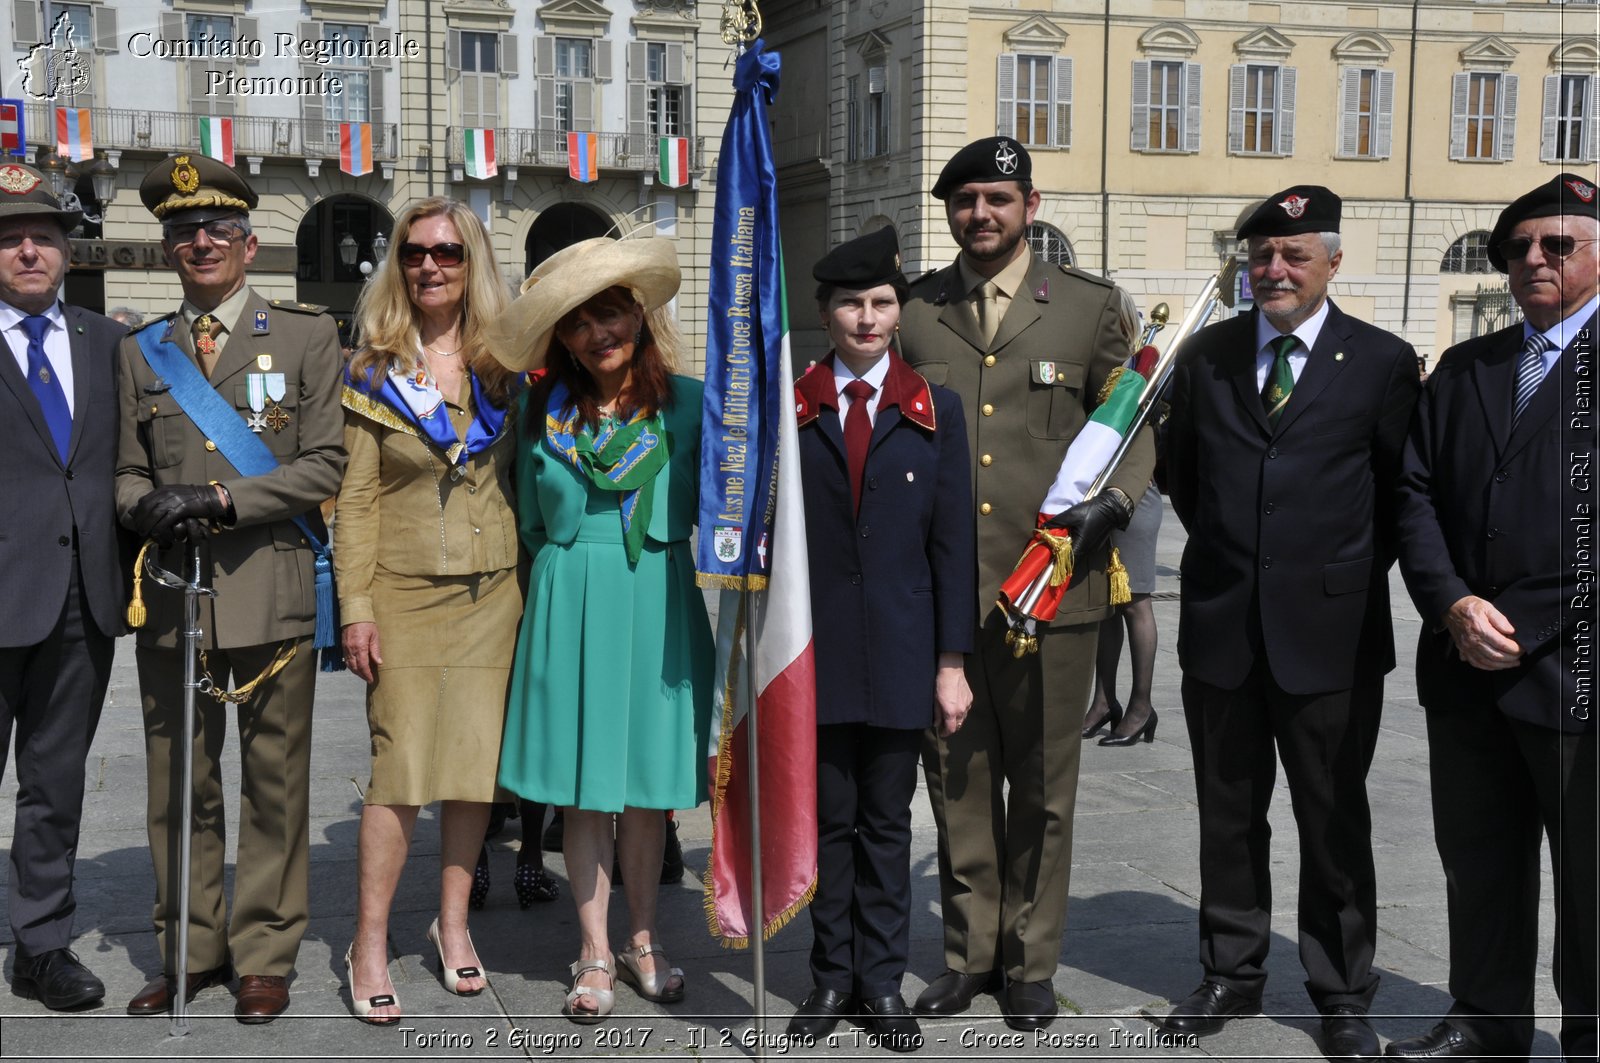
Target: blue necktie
{"points": [[46, 388], [1530, 374]]}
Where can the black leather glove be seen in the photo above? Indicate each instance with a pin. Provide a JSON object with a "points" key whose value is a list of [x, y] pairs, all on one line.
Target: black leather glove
{"points": [[1093, 520], [177, 511]]}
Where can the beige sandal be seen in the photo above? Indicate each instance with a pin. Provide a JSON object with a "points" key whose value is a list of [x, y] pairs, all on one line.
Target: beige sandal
{"points": [[654, 987], [605, 999]]}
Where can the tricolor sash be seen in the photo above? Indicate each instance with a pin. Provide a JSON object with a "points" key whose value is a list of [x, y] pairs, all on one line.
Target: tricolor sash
{"points": [[622, 456], [413, 397]]}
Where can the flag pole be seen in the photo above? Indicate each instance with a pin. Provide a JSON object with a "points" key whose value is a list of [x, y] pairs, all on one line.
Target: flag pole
{"points": [[758, 943]]}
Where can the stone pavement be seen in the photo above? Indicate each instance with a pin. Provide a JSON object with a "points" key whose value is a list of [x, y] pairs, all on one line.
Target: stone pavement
{"points": [[1129, 945]]}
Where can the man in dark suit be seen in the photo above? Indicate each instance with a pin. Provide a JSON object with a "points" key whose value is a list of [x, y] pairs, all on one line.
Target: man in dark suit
{"points": [[1282, 453], [276, 367], [1027, 347], [60, 570], [883, 456], [1497, 518]]}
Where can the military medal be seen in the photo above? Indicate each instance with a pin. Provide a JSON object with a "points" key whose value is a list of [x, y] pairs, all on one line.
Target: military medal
{"points": [[256, 388], [277, 417]]}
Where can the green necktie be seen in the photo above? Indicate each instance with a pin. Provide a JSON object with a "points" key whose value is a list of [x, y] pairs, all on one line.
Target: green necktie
{"points": [[1280, 380]]}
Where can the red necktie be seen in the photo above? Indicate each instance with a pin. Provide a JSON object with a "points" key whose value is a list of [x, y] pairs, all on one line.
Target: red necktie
{"points": [[857, 435]]}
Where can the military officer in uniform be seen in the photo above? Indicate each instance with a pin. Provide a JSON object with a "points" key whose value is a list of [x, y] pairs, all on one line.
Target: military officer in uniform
{"points": [[276, 365], [1026, 346]]}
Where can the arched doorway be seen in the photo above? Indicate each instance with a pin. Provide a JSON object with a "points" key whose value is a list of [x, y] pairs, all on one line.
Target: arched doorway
{"points": [[562, 226], [335, 239]]}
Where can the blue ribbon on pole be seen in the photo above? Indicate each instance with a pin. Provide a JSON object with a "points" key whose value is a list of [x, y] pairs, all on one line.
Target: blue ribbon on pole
{"points": [[746, 321]]}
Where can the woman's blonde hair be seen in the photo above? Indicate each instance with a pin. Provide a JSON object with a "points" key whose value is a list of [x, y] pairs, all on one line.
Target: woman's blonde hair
{"points": [[387, 321], [1128, 318]]}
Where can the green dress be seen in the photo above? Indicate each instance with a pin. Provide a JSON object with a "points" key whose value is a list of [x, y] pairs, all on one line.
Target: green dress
{"points": [[610, 701]]}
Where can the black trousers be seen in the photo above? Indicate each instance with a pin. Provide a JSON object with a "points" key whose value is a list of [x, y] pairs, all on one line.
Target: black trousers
{"points": [[51, 694], [861, 914], [1326, 742], [1500, 787]]}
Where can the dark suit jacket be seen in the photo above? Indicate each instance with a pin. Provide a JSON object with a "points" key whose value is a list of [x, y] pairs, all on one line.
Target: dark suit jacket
{"points": [[1299, 514], [1021, 419], [892, 587], [262, 564], [1502, 515], [43, 503]]}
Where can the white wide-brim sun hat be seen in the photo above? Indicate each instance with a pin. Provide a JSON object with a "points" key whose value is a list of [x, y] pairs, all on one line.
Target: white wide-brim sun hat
{"points": [[569, 278]]}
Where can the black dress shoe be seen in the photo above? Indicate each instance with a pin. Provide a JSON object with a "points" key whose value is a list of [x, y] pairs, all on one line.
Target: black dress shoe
{"points": [[951, 993], [1346, 1034], [889, 1024], [818, 1014], [57, 980], [1028, 1005], [1206, 1009], [1442, 1042]]}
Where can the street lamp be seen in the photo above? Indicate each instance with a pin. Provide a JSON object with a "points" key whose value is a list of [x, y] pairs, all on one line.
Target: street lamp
{"points": [[380, 248], [55, 171], [348, 251], [104, 177]]}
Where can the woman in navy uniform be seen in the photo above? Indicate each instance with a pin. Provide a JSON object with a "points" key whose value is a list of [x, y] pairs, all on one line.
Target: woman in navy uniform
{"points": [[887, 486]]}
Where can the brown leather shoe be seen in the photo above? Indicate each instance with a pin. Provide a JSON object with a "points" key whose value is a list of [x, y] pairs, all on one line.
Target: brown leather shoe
{"points": [[262, 998], [156, 997]]}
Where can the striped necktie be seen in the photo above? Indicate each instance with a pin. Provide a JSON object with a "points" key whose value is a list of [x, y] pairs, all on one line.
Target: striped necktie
{"points": [[1530, 374]]}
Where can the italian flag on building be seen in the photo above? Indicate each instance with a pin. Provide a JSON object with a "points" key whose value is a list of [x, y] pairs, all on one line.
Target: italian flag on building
{"points": [[479, 153], [674, 161], [216, 138]]}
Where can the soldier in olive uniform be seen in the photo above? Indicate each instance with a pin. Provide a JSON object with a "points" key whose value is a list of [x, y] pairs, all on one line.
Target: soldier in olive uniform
{"points": [[277, 366], [1026, 346]]}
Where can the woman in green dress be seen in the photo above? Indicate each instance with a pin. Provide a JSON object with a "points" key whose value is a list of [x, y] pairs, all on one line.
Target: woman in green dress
{"points": [[610, 702]]}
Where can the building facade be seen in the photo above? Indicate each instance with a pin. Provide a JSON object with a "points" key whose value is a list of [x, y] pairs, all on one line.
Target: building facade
{"points": [[1154, 125], [143, 74]]}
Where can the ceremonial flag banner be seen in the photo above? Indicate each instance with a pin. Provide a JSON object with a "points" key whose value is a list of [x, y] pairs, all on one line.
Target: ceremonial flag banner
{"points": [[216, 138], [674, 161], [73, 140], [13, 128], [1044, 572], [479, 153], [355, 148], [752, 541], [583, 157]]}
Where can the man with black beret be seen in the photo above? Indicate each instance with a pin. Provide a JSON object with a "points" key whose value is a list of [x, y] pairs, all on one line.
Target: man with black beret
{"points": [[275, 367], [1497, 518], [1027, 346], [61, 575], [1282, 453]]}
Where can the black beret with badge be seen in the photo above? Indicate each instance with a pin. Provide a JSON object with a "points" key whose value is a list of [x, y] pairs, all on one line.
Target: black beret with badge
{"points": [[989, 159], [865, 262], [1565, 193], [24, 192], [1295, 210], [195, 183]]}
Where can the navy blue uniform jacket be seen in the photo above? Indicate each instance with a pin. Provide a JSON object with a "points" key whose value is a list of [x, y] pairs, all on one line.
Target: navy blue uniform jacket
{"points": [[893, 586], [1301, 514], [1509, 517]]}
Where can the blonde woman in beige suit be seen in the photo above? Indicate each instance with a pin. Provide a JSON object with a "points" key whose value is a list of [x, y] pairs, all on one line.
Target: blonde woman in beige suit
{"points": [[427, 575]]}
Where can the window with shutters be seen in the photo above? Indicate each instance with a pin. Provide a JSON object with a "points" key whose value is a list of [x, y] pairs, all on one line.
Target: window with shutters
{"points": [[1571, 103], [82, 32], [203, 31], [574, 71], [1166, 105], [1470, 254], [1034, 99], [852, 120], [1366, 113], [354, 104], [875, 124], [480, 79], [1261, 109], [665, 113], [1049, 244], [1483, 115]]}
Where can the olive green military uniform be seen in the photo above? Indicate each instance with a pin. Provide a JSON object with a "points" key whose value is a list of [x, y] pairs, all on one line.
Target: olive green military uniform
{"points": [[1004, 860], [261, 568]]}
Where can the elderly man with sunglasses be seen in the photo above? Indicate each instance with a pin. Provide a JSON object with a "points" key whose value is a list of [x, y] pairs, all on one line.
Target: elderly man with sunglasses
{"points": [[190, 471], [1497, 540]]}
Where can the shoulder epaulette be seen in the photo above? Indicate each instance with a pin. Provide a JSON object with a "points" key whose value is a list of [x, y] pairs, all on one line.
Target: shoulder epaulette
{"points": [[1083, 274], [154, 321], [301, 308]]}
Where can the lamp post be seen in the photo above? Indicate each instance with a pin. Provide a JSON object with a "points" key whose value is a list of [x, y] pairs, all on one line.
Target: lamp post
{"points": [[105, 183], [380, 248], [55, 172], [348, 251]]}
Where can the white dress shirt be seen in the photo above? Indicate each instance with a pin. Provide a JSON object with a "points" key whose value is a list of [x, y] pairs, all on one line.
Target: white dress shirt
{"points": [[57, 348], [874, 376], [1307, 333]]}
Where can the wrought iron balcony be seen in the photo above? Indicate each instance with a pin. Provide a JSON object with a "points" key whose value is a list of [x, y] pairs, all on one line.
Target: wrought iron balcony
{"points": [[548, 148], [164, 131]]}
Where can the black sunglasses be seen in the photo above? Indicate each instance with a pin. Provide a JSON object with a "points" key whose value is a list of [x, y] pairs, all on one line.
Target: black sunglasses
{"points": [[442, 254], [1552, 246]]}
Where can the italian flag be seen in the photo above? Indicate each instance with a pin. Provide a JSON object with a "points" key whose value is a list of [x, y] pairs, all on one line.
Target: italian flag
{"points": [[479, 153], [674, 161], [1035, 588], [216, 138]]}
